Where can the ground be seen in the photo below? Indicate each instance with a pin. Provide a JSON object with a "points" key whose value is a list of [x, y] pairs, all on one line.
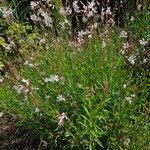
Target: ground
{"points": [[17, 138]]}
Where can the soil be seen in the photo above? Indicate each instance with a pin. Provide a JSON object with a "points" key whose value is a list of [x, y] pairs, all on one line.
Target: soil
{"points": [[17, 138]]}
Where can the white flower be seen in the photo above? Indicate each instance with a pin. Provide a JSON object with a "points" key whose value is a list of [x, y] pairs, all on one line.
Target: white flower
{"points": [[123, 34], [60, 98], [25, 81], [7, 13], [91, 5], [62, 25], [129, 99], [25, 90], [89, 10], [143, 42], [84, 19], [21, 88], [132, 18], [126, 142], [40, 12], [108, 11], [68, 11], [31, 65], [122, 51], [62, 11], [34, 17], [124, 86], [37, 110], [111, 22], [103, 44], [47, 20], [82, 33], [33, 4], [126, 45], [132, 95], [66, 21], [89, 35], [11, 42], [132, 59], [18, 88], [79, 85], [52, 78], [102, 13], [89, 13], [28, 64], [65, 11], [144, 60], [47, 97], [139, 7], [62, 118], [95, 25], [76, 7], [42, 41]]}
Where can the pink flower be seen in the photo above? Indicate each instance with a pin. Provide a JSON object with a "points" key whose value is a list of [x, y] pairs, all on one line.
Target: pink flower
{"points": [[62, 117], [7, 13], [76, 7], [92, 4], [34, 17], [82, 33], [1, 80], [123, 34], [108, 11], [126, 45], [143, 42]]}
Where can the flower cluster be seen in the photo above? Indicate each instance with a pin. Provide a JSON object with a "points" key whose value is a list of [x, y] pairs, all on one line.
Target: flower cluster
{"points": [[22, 88], [40, 14], [65, 11], [83, 12], [132, 59]]}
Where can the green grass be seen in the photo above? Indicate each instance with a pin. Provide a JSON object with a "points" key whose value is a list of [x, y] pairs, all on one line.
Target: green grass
{"points": [[96, 106], [106, 98]]}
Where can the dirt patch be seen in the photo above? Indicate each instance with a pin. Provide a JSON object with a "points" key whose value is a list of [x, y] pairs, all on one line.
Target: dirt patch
{"points": [[17, 138]]}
